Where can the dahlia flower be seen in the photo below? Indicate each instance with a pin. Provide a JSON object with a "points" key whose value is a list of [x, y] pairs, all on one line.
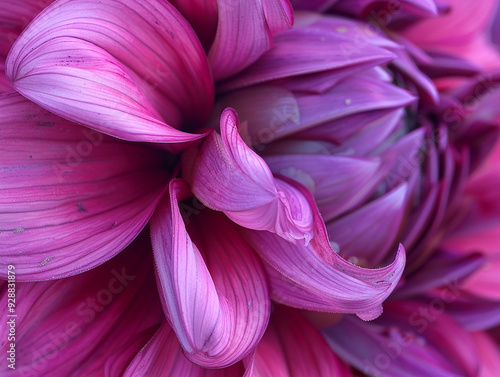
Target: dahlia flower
{"points": [[220, 188]]}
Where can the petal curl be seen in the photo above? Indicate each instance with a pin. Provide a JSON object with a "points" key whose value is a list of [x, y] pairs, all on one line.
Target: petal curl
{"points": [[82, 60], [213, 288]]}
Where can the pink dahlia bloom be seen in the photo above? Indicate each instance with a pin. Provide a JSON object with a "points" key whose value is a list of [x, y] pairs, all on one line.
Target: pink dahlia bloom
{"points": [[261, 172]]}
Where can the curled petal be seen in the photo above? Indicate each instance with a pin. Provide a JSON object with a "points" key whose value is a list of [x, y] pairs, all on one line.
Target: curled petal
{"points": [[228, 176], [83, 61], [314, 277], [213, 287], [70, 197]]}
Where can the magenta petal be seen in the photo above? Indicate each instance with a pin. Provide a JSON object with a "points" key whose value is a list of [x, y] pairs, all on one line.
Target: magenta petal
{"points": [[70, 197], [212, 285], [314, 277], [83, 61], [244, 33], [282, 351], [228, 176], [89, 323], [163, 356]]}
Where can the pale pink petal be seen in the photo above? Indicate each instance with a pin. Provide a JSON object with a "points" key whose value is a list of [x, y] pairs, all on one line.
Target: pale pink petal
{"points": [[134, 76], [70, 197], [244, 33], [91, 324], [228, 176], [314, 277], [212, 285]]}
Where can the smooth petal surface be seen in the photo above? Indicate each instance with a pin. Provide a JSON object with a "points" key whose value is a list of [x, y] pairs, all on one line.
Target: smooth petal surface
{"points": [[306, 50], [281, 352], [82, 60], [367, 234], [212, 285], [228, 176], [92, 324], [244, 33], [70, 197], [338, 184], [314, 277]]}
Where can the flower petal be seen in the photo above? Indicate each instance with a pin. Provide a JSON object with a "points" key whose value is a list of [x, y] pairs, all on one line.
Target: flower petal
{"points": [[338, 184], [213, 287], [89, 324], [163, 356], [281, 351], [71, 198], [314, 277], [367, 234], [308, 50], [403, 343], [244, 33], [228, 176], [83, 61]]}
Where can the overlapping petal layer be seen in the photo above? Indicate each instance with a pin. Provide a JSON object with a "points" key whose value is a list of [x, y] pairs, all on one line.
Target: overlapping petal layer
{"points": [[62, 327], [315, 277], [213, 287], [81, 60], [70, 197]]}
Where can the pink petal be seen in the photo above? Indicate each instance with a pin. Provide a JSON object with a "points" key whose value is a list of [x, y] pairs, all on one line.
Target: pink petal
{"points": [[89, 324], [70, 197], [228, 176], [367, 234], [282, 351], [338, 184], [127, 76], [489, 354], [244, 33], [213, 287], [163, 356], [314, 277]]}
